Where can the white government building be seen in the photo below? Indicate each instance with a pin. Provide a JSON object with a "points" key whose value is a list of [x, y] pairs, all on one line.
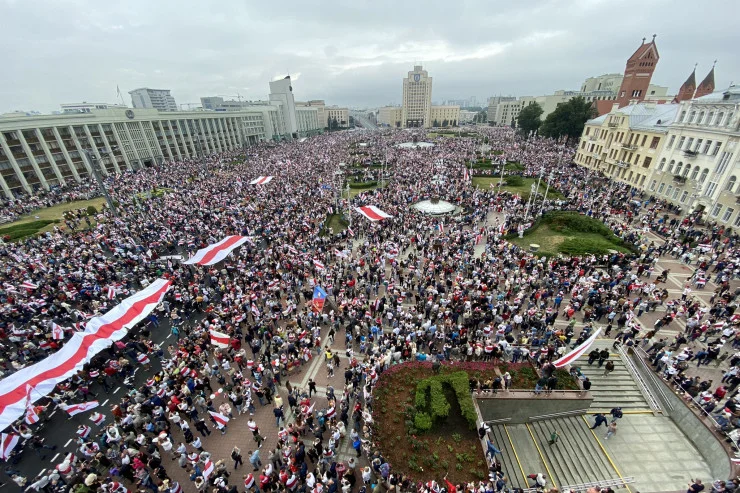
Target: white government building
{"points": [[686, 153], [42, 151]]}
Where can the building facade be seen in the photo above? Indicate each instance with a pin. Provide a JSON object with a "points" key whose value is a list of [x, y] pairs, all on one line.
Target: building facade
{"points": [[638, 73], [606, 82], [493, 103], [281, 93], [625, 143], [39, 152], [699, 165], [158, 99], [390, 116], [85, 107], [416, 106], [444, 116], [341, 115]]}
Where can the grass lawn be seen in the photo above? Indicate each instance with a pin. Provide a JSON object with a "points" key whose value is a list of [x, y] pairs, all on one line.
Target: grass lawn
{"points": [[523, 189], [581, 235], [335, 222], [43, 220]]}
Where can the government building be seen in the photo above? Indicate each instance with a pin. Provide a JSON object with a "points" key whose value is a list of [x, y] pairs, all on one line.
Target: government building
{"points": [[42, 151], [416, 109]]}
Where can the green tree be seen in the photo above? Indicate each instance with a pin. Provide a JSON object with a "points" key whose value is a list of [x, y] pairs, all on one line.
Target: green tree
{"points": [[444, 123], [568, 119], [333, 124], [435, 123], [529, 119]]}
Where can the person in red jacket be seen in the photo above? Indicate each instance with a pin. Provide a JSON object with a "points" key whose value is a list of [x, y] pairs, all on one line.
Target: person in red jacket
{"points": [[451, 488]]}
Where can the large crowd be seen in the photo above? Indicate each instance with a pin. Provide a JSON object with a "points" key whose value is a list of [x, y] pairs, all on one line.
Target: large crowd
{"points": [[410, 287]]}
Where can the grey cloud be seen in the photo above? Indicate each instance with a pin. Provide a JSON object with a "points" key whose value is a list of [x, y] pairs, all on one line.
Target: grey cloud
{"points": [[349, 53]]}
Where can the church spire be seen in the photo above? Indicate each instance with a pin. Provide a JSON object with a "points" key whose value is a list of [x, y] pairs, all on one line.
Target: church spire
{"points": [[707, 85], [687, 89]]}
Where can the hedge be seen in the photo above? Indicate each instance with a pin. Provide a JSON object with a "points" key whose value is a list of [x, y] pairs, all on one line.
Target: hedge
{"points": [[367, 184], [422, 421], [514, 181], [430, 397]]}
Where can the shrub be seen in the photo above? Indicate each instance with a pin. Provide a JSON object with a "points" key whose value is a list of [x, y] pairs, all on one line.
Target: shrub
{"points": [[91, 210], [423, 422], [366, 184], [20, 231], [514, 181], [585, 246]]}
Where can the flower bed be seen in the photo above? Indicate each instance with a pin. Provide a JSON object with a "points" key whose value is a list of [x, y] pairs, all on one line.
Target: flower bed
{"points": [[449, 445]]}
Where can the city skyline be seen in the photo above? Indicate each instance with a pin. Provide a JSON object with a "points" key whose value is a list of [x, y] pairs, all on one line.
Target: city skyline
{"points": [[352, 55]]}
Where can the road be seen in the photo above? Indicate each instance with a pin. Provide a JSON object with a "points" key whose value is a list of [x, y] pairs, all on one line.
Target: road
{"points": [[364, 121]]}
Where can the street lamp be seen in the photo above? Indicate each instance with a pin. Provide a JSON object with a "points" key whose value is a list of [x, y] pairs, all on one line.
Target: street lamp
{"points": [[91, 162]]}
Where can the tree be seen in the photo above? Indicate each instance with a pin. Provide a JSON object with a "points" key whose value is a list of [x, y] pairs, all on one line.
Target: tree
{"points": [[333, 124], [529, 119], [435, 123], [568, 119], [444, 123]]}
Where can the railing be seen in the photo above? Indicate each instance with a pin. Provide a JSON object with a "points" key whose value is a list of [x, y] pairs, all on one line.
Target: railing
{"points": [[651, 400], [654, 377], [497, 421], [607, 483], [689, 153], [575, 412], [630, 147], [612, 124], [622, 164]]}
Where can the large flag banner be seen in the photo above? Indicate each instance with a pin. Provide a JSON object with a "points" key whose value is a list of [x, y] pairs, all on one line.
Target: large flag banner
{"points": [[577, 352], [75, 409], [319, 297], [217, 252], [373, 213], [100, 332], [219, 339], [261, 180]]}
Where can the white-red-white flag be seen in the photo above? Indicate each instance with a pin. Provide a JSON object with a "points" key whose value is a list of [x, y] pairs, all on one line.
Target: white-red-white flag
{"points": [[219, 339], [8, 441], [74, 409], [220, 419], [261, 180], [111, 292], [29, 285], [373, 213], [208, 469], [318, 264], [31, 416]]}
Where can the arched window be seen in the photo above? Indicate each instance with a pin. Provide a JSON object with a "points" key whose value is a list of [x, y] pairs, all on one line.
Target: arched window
{"points": [[678, 168], [731, 184], [710, 117], [692, 117], [670, 166], [701, 118], [683, 116], [694, 172], [720, 117], [686, 170], [729, 118], [662, 165], [703, 175]]}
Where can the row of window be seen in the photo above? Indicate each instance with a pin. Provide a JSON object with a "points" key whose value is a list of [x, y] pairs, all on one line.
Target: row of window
{"points": [[673, 193], [699, 146], [706, 118]]}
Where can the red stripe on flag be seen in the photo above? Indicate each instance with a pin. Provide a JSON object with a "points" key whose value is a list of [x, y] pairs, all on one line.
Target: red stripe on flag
{"points": [[104, 332], [224, 246]]}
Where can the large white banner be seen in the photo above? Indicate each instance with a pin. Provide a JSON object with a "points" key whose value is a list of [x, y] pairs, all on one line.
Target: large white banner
{"points": [[99, 334]]}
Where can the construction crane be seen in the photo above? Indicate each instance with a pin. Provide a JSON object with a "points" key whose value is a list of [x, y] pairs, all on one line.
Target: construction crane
{"points": [[237, 96]]}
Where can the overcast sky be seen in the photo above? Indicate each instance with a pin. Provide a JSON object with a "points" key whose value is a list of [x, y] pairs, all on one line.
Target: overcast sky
{"points": [[352, 52]]}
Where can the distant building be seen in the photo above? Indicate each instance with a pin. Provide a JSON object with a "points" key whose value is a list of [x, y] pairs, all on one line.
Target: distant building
{"points": [[158, 99], [445, 116], [416, 106], [689, 90], [606, 82], [320, 106], [467, 117], [390, 116], [341, 115], [281, 92], [85, 107], [211, 103], [637, 73]]}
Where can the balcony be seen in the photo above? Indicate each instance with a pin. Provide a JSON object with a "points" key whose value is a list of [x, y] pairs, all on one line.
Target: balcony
{"points": [[690, 154], [622, 164], [592, 137], [679, 179], [629, 147], [613, 125]]}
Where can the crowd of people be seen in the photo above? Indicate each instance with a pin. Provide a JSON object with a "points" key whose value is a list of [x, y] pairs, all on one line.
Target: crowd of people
{"points": [[413, 286]]}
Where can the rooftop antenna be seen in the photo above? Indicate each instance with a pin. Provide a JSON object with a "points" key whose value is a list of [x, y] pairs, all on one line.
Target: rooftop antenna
{"points": [[654, 36]]}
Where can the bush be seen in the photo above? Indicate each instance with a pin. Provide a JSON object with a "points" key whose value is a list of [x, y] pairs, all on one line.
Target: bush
{"points": [[91, 210], [422, 422], [367, 184], [514, 181], [585, 246], [575, 223], [20, 231]]}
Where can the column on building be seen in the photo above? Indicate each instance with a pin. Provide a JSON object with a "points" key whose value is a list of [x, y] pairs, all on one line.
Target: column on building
{"points": [[32, 159], [133, 146], [175, 136], [144, 136], [186, 136], [14, 164], [109, 148], [96, 152], [165, 138], [65, 153], [47, 152], [122, 145], [79, 148]]}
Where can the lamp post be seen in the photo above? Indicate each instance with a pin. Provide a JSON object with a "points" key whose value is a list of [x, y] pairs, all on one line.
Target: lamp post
{"points": [[531, 194], [91, 161], [547, 189]]}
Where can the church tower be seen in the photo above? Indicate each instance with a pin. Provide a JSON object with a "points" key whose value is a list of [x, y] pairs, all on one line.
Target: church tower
{"points": [[638, 73], [687, 89], [707, 85]]}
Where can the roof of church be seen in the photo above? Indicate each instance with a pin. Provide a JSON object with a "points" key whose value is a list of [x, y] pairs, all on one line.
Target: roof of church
{"points": [[644, 49], [708, 80], [690, 82]]}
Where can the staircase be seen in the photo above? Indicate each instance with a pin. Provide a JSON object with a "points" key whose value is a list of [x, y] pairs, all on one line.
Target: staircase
{"points": [[526, 460], [576, 457], [618, 389]]}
